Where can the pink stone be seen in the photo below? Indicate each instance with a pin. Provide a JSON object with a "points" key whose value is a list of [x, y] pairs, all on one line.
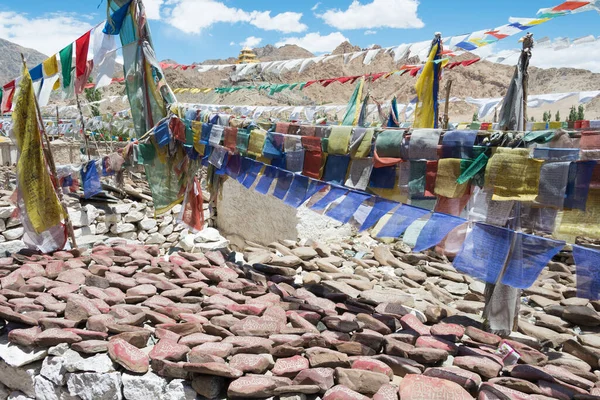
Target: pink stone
{"points": [[290, 366], [341, 392], [214, 368], [222, 350], [436, 343], [80, 308], [219, 274], [451, 332], [197, 339], [54, 336], [250, 363], [370, 364], [409, 321], [169, 350], [418, 387], [480, 365], [489, 391], [24, 337], [249, 309], [387, 392], [128, 356], [255, 386]]}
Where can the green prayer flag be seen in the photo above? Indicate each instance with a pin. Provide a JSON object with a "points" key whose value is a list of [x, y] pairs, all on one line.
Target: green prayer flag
{"points": [[476, 166], [147, 153], [66, 63], [1, 93], [189, 133], [539, 136]]}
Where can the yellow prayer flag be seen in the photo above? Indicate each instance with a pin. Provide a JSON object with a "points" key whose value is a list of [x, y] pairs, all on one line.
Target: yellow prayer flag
{"points": [[424, 111], [578, 223], [513, 175], [339, 140], [256, 142], [35, 187], [50, 66], [364, 148], [445, 182]]}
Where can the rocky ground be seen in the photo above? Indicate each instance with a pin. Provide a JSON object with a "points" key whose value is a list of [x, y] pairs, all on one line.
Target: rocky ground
{"points": [[292, 320]]}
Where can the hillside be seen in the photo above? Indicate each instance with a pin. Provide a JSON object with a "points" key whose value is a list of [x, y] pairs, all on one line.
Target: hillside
{"points": [[10, 60]]}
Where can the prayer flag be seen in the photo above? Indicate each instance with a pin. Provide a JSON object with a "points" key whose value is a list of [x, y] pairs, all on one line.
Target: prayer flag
{"points": [[528, 257], [192, 212], [587, 262], [90, 179], [8, 92], [578, 184], [115, 22], [353, 110], [380, 208], [334, 193], [427, 88], [436, 229], [252, 173], [81, 53], [266, 180], [297, 193], [346, 209], [284, 181], [336, 169], [484, 252], [400, 220]]}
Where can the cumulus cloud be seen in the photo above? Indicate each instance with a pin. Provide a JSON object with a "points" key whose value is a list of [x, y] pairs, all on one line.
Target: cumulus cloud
{"points": [[315, 42], [47, 34], [153, 8], [251, 42], [378, 13], [193, 16]]}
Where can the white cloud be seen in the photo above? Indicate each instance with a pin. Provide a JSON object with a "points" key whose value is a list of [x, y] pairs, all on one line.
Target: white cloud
{"points": [[47, 34], [193, 16], [153, 8], [370, 32], [251, 42], [378, 13], [584, 56], [314, 42], [287, 22], [314, 8], [232, 43]]}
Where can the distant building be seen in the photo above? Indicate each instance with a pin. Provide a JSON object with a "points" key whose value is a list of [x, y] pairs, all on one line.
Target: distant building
{"points": [[247, 56]]}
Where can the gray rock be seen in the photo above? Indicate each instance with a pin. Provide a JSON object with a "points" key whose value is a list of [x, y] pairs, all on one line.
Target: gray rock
{"points": [[147, 224], [13, 234], [18, 356], [20, 378], [13, 246], [178, 389], [93, 386], [143, 387], [53, 369]]}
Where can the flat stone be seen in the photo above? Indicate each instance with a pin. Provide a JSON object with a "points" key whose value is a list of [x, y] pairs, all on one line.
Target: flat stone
{"points": [[255, 386], [466, 379], [251, 363], [221, 350], [289, 367], [214, 368], [418, 387], [321, 357], [169, 350], [52, 337], [361, 381], [18, 356], [581, 315], [341, 392], [480, 365], [208, 386], [128, 356], [91, 346]]}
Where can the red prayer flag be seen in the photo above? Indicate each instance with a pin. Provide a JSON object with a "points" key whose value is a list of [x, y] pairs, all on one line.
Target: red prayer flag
{"points": [[415, 71], [9, 92], [327, 82], [496, 34], [430, 175], [377, 76], [466, 63], [192, 213], [570, 5], [81, 52], [310, 83]]}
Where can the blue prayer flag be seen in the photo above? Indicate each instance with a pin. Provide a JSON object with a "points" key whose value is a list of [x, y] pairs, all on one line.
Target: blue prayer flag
{"points": [[578, 184], [435, 230], [314, 187], [383, 178], [346, 209], [400, 220], [284, 180], [234, 166], [484, 252], [90, 179], [162, 135], [555, 154], [527, 259], [36, 73], [466, 46], [266, 180], [297, 193], [273, 147], [205, 135], [252, 173], [458, 144], [380, 208], [244, 168], [334, 193], [587, 262], [117, 18], [336, 168]]}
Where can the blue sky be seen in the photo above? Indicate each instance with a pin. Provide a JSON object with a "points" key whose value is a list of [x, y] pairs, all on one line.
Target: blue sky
{"points": [[195, 30]]}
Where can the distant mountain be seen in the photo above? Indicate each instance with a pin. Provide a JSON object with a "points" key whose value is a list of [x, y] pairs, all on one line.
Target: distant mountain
{"points": [[10, 60]]}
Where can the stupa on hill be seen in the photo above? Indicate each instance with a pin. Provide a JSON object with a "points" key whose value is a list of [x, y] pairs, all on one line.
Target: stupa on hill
{"points": [[247, 56]]}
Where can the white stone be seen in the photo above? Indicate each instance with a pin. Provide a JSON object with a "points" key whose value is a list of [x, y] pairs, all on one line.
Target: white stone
{"points": [[133, 216], [176, 209], [100, 363], [155, 238], [147, 224], [14, 246], [153, 230], [92, 213], [2, 225], [112, 218], [459, 289], [179, 228], [122, 228], [13, 222], [178, 389], [53, 369], [173, 237], [477, 287], [13, 234], [102, 228], [142, 236], [59, 349], [6, 212], [166, 230], [2, 238], [20, 378], [85, 231], [17, 356], [208, 235], [122, 208], [129, 235], [167, 220], [16, 395], [45, 390], [213, 246], [78, 218], [92, 386], [144, 387]]}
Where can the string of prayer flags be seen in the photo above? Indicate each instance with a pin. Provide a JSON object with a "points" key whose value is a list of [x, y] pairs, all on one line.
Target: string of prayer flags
{"points": [[344, 211], [400, 220], [587, 262], [435, 230], [335, 192], [529, 255]]}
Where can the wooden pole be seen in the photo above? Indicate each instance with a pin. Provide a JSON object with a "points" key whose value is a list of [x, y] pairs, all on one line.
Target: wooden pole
{"points": [[526, 56], [87, 147], [447, 104], [52, 165]]}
